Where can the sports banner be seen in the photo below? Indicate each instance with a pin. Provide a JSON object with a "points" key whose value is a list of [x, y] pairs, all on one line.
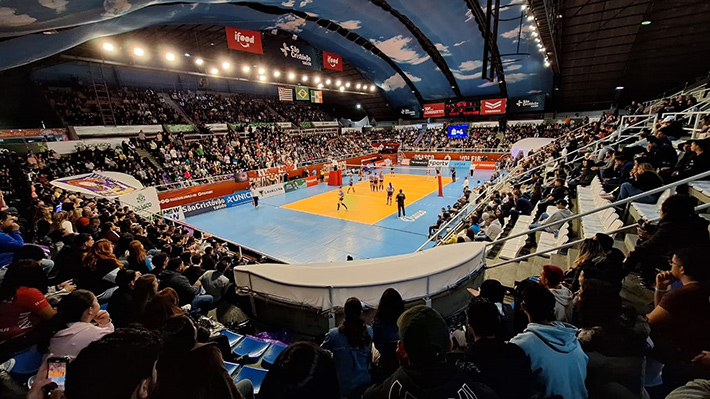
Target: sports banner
{"points": [[311, 181], [285, 94], [317, 96], [528, 104], [409, 112], [203, 206], [293, 53], [438, 163], [244, 40], [332, 61], [495, 106], [143, 202], [270, 191], [302, 93], [242, 197], [419, 162], [459, 164], [174, 213], [103, 184], [433, 110]]}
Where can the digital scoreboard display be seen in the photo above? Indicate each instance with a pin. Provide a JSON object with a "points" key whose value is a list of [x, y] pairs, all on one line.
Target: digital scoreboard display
{"points": [[461, 108], [458, 131]]}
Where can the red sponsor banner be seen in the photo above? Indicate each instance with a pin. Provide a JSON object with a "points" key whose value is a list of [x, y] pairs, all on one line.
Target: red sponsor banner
{"points": [[494, 106], [244, 40], [462, 156], [311, 181], [332, 61], [189, 195], [433, 110]]}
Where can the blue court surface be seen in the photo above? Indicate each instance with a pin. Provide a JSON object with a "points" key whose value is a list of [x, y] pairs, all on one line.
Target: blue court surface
{"points": [[299, 237]]}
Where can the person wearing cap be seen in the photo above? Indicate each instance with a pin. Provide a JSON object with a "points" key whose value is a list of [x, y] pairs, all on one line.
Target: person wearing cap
{"points": [[351, 344], [551, 278], [557, 360], [423, 372], [549, 220]]}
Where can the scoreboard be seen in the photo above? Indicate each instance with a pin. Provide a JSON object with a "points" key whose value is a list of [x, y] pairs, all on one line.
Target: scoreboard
{"points": [[461, 108]]}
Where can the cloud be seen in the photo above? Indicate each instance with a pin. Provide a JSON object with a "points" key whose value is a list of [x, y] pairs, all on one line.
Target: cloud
{"points": [[517, 77], [413, 78], [351, 24], [488, 84], [444, 50], [290, 23], [9, 18], [534, 91], [459, 75], [512, 67], [397, 49], [469, 65], [460, 43], [513, 33], [304, 3], [116, 7], [311, 14], [288, 3], [58, 5], [394, 82], [469, 15]]}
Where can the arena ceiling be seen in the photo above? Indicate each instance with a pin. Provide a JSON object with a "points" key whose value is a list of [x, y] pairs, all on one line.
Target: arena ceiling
{"points": [[415, 51]]}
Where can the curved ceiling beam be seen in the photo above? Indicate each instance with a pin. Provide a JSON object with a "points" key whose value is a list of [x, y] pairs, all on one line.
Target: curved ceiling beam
{"points": [[480, 18], [424, 41], [352, 36]]}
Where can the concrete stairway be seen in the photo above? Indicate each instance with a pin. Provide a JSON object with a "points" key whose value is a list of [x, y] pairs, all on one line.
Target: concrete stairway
{"points": [[172, 104], [145, 154]]}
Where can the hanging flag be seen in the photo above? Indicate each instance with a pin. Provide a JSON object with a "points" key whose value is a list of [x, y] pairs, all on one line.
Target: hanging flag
{"points": [[285, 94], [302, 93], [317, 96]]}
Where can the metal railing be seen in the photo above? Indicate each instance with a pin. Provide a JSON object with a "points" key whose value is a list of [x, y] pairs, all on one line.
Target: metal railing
{"points": [[573, 243], [498, 150]]}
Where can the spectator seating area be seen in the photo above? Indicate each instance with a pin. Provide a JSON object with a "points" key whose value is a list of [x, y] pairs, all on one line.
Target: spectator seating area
{"points": [[217, 108]]}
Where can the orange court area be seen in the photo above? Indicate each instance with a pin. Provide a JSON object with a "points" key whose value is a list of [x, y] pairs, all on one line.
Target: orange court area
{"points": [[365, 206]]}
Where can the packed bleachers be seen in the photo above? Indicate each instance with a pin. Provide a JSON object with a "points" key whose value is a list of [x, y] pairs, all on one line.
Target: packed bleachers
{"points": [[217, 108], [297, 112]]}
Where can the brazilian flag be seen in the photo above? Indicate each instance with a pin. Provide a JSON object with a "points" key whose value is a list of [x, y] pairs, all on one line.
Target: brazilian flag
{"points": [[302, 93]]}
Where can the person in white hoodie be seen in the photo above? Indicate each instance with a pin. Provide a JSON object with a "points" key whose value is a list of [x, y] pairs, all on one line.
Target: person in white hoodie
{"points": [[551, 278], [77, 313]]}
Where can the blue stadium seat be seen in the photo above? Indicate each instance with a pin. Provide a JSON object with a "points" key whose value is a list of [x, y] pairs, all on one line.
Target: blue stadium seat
{"points": [[256, 376], [231, 367], [234, 338], [27, 362], [251, 348], [271, 355]]}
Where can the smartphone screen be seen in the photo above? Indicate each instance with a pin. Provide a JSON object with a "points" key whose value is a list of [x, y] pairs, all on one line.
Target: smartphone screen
{"points": [[57, 370]]}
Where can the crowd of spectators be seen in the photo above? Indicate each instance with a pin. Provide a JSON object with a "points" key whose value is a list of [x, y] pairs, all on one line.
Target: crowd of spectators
{"points": [[218, 108], [298, 111]]}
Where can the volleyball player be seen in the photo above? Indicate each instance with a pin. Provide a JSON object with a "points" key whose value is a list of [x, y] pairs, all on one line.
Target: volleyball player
{"points": [[373, 181], [381, 186], [341, 197], [350, 185], [392, 171], [390, 191]]}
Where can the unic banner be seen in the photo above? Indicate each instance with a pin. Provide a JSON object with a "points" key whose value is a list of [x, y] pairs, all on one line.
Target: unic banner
{"points": [[292, 53], [239, 198], [244, 40], [332, 61], [433, 110], [143, 202]]}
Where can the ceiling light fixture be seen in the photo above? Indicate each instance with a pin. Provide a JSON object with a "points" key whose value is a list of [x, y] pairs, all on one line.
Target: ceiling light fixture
{"points": [[246, 68], [214, 71], [226, 65], [291, 76], [199, 61], [644, 23], [530, 18], [317, 79], [342, 88], [372, 88], [108, 46], [261, 71], [337, 83], [327, 82], [357, 86], [187, 54], [139, 52], [364, 87], [262, 78], [170, 56], [304, 78], [277, 74]]}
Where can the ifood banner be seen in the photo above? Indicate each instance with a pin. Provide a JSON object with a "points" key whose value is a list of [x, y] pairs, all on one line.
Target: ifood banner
{"points": [[244, 40], [143, 202], [292, 53], [433, 110], [239, 198], [270, 191], [332, 61]]}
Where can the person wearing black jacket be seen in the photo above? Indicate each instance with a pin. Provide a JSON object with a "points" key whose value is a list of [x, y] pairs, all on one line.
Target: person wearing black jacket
{"points": [[499, 362], [424, 371], [661, 155], [558, 192], [645, 179], [698, 163], [522, 206], [187, 293]]}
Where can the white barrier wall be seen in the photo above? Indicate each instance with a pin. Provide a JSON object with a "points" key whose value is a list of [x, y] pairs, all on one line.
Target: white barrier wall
{"points": [[116, 130], [69, 147]]}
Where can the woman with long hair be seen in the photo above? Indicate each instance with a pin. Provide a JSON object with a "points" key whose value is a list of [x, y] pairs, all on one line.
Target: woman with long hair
{"points": [[74, 329], [137, 257], [164, 305], [98, 267], [60, 220], [351, 344], [23, 306], [303, 370], [386, 332], [144, 290]]}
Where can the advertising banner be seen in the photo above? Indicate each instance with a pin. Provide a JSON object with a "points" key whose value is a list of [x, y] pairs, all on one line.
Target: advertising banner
{"points": [[311, 181], [104, 184], [292, 53], [495, 106], [270, 191], [244, 40], [174, 213], [9, 133], [204, 206], [410, 112], [332, 61], [528, 104], [242, 197], [183, 196], [405, 162], [143, 202], [459, 164], [302, 93], [433, 110], [419, 162], [438, 163]]}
